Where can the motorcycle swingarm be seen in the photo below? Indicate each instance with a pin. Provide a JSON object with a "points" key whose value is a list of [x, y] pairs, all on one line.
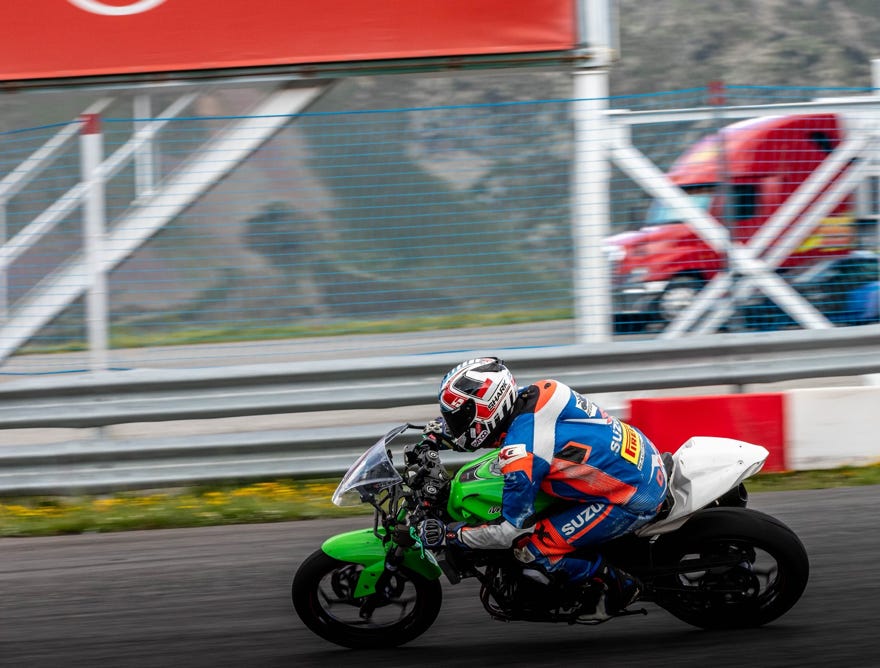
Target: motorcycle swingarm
{"points": [[692, 565]]}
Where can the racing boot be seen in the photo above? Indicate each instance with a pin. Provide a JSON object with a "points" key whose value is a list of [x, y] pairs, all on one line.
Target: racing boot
{"points": [[611, 591]]}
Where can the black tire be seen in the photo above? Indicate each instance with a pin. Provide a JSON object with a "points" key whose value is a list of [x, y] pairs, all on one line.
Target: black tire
{"points": [[680, 293], [765, 585], [322, 597]]}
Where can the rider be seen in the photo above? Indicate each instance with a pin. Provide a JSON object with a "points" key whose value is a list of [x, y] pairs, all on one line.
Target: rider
{"points": [[554, 440]]}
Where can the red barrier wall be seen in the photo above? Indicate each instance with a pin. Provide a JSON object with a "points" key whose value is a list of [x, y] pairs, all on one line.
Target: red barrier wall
{"points": [[756, 418]]}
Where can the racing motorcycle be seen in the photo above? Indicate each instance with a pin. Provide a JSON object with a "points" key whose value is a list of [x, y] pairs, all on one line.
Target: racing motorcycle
{"points": [[706, 558]]}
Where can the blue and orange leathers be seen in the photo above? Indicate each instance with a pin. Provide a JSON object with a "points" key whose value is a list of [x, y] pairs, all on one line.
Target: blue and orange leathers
{"points": [[565, 445]]}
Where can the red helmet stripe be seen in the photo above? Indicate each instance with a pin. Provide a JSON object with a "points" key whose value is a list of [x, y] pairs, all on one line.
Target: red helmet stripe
{"points": [[484, 388]]}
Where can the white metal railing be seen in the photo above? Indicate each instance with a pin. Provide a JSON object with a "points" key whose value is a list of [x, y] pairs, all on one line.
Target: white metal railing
{"points": [[43, 223], [103, 251], [29, 168], [845, 171]]}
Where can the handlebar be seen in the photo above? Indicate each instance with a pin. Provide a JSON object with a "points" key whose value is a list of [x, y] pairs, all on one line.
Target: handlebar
{"points": [[425, 474]]}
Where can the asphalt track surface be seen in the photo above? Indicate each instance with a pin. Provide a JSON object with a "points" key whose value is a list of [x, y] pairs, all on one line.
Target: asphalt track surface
{"points": [[219, 596]]}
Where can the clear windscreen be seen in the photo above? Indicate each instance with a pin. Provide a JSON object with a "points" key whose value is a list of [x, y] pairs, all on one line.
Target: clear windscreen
{"points": [[370, 474]]}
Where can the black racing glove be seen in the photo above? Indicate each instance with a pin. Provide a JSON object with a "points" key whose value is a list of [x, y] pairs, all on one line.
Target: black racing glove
{"points": [[424, 470], [435, 432], [434, 534]]}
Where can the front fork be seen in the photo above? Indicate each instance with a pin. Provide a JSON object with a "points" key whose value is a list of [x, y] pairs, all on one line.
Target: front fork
{"points": [[380, 594]]}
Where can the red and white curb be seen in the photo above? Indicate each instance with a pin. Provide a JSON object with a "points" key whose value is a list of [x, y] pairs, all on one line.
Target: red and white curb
{"points": [[810, 428]]}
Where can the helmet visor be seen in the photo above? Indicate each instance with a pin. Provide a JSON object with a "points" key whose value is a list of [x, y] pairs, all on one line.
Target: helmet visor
{"points": [[459, 419]]}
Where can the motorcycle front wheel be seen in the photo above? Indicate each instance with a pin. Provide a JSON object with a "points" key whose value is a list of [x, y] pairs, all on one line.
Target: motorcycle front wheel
{"points": [[735, 568], [323, 597]]}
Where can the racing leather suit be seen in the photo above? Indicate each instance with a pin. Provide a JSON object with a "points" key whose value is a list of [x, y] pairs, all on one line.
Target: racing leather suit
{"points": [[563, 444]]}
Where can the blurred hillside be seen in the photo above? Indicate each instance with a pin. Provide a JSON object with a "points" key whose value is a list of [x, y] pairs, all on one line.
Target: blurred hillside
{"points": [[674, 44]]}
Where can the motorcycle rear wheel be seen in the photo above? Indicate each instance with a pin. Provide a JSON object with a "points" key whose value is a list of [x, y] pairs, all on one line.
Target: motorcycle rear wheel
{"points": [[323, 597], [767, 581]]}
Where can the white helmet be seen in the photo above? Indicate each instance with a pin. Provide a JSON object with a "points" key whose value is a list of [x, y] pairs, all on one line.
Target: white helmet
{"points": [[476, 398]]}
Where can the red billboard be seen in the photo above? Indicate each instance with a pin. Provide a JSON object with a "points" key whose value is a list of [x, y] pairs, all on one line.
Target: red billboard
{"points": [[76, 38]]}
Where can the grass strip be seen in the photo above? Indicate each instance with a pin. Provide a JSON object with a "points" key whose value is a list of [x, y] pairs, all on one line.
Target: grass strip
{"points": [[144, 335], [271, 501]]}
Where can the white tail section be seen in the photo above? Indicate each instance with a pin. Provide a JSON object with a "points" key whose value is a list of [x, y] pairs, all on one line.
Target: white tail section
{"points": [[705, 468]]}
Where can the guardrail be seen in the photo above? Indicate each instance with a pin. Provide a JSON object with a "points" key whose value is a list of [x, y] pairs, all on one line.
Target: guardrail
{"points": [[110, 398], [108, 465]]}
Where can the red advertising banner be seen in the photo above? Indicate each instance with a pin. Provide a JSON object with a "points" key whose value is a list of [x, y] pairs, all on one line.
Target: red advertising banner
{"points": [[75, 38]]}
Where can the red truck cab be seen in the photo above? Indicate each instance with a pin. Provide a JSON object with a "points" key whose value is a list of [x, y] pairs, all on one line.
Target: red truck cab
{"points": [[741, 175]]}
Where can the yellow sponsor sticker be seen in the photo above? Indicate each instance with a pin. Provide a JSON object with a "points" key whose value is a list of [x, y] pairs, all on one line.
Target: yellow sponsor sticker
{"points": [[631, 449]]}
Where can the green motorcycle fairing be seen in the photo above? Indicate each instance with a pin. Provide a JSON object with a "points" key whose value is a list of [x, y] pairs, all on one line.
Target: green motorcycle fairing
{"points": [[363, 547], [476, 491], [475, 496]]}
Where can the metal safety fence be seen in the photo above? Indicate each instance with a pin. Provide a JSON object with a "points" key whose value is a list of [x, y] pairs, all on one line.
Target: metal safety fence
{"points": [[101, 462], [264, 216]]}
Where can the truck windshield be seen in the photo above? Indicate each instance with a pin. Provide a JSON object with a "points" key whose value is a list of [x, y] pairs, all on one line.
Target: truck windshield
{"points": [[660, 214]]}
